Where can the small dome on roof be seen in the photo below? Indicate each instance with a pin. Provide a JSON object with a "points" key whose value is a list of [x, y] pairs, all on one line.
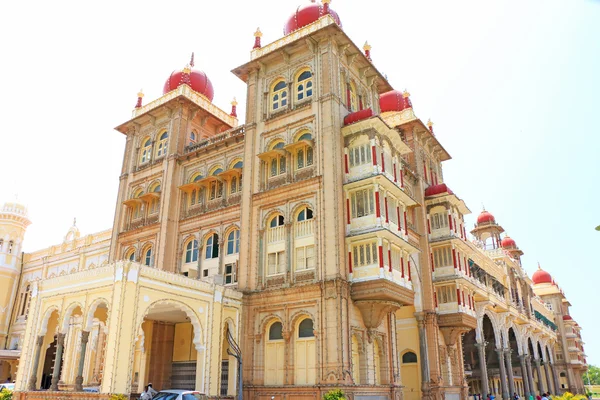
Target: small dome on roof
{"points": [[485, 217], [567, 317], [508, 243], [541, 276], [394, 100], [307, 14], [197, 80]]}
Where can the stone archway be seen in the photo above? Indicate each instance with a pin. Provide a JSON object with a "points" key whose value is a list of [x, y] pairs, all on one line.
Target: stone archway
{"points": [[169, 351]]}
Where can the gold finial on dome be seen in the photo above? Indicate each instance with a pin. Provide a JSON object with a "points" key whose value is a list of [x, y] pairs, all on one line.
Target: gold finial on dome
{"points": [[366, 46], [326, 1], [141, 93], [258, 33], [405, 94], [186, 69], [257, 36], [234, 102]]}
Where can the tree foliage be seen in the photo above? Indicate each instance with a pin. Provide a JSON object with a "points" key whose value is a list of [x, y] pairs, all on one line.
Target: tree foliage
{"points": [[594, 374]]}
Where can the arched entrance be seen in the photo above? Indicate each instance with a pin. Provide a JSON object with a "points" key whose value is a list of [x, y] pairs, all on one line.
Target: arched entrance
{"points": [[515, 370], [168, 351], [474, 372]]}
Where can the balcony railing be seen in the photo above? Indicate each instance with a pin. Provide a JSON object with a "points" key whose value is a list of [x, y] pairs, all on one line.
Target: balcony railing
{"points": [[304, 228], [276, 234], [231, 133]]}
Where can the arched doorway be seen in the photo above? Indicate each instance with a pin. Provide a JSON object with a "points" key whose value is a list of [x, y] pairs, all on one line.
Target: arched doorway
{"points": [[409, 371], [472, 363], [168, 351], [513, 346], [48, 350]]}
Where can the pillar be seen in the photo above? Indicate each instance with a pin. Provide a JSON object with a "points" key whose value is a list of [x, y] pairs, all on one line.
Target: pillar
{"points": [[539, 374], [503, 380], [511, 378], [548, 379], [524, 374], [530, 376], [36, 363], [557, 387], [60, 344], [485, 389], [85, 335]]}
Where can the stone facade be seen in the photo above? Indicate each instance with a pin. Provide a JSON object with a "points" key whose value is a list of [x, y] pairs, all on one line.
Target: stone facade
{"points": [[319, 236]]}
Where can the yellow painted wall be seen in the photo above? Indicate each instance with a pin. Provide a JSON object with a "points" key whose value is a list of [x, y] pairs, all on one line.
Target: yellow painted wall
{"points": [[183, 346], [408, 340]]}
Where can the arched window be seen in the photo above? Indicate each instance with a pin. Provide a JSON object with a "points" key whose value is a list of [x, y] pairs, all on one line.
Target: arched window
{"points": [[279, 96], [305, 354], [10, 247], [438, 218], [25, 300], [212, 246], [304, 153], [216, 186], [191, 251], [161, 148], [148, 259], [352, 97], [409, 358], [137, 207], [274, 355], [304, 85], [233, 242], [305, 214], [377, 362], [145, 151], [277, 221], [193, 138], [155, 188], [305, 250], [130, 255], [278, 162], [355, 361]]}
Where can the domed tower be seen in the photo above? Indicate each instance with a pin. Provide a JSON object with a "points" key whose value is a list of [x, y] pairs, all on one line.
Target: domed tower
{"points": [[13, 223], [510, 246], [487, 230]]}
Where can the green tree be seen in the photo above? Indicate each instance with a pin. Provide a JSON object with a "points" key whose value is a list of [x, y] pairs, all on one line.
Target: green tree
{"points": [[594, 374]]}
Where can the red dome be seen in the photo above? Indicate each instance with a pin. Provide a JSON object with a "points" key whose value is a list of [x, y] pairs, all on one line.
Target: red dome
{"points": [[485, 217], [508, 243], [437, 189], [541, 276], [307, 14], [567, 318], [197, 80], [394, 100]]}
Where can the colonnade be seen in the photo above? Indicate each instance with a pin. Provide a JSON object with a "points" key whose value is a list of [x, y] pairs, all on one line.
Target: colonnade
{"points": [[547, 377]]}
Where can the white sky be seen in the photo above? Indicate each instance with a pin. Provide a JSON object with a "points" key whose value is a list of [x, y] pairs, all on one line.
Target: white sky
{"points": [[512, 87]]}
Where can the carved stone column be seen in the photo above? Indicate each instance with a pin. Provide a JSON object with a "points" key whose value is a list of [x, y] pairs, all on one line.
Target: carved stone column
{"points": [[526, 387], [60, 344], [36, 363], [509, 370], [549, 383], [85, 335], [485, 388], [503, 380], [539, 374], [530, 375], [557, 387]]}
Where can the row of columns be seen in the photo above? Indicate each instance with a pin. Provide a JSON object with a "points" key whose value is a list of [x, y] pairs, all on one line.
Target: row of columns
{"points": [[60, 344], [507, 380]]}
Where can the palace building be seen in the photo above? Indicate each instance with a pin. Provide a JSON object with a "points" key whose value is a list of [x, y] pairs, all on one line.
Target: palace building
{"points": [[319, 237]]}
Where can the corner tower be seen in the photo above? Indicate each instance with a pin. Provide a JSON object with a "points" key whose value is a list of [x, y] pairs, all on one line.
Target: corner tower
{"points": [[13, 223]]}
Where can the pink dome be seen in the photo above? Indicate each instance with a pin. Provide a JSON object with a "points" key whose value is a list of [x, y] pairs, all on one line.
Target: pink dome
{"points": [[541, 276], [306, 15], [485, 217]]}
